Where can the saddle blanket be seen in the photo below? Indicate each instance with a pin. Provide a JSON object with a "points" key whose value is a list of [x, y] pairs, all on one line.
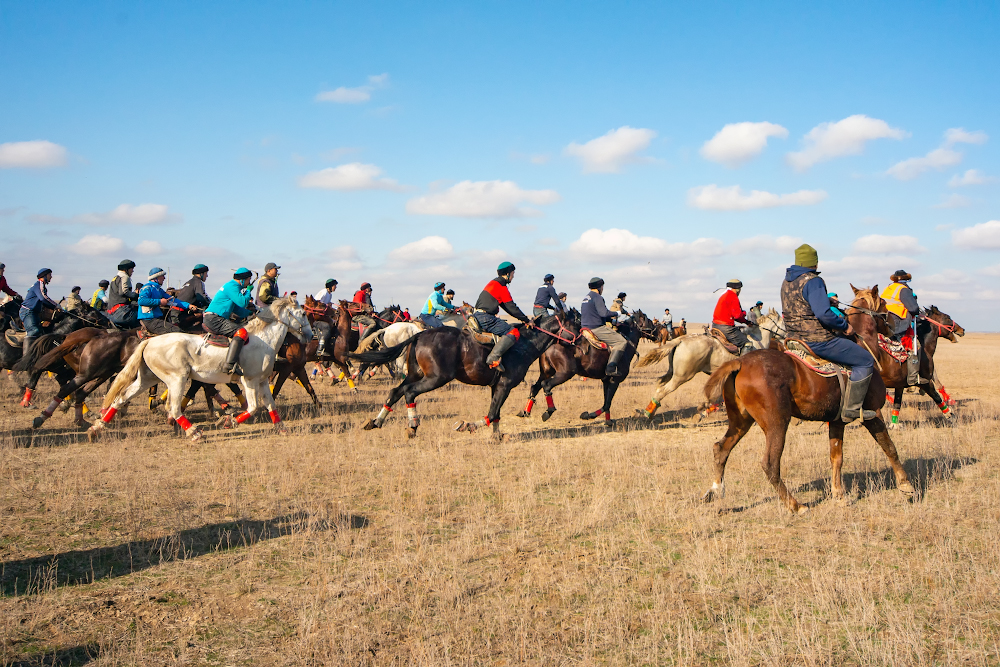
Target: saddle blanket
{"points": [[216, 340], [819, 366], [478, 335], [895, 348], [589, 336]]}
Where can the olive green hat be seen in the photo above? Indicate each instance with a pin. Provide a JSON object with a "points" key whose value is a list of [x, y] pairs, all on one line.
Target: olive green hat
{"points": [[806, 255]]}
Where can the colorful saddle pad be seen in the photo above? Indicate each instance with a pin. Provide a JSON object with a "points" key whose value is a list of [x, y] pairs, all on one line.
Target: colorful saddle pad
{"points": [[14, 338], [589, 336], [894, 348], [804, 355], [217, 340]]}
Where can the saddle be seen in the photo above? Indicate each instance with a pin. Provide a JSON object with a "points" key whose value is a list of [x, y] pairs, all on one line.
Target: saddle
{"points": [[801, 352], [215, 340], [589, 336], [145, 335], [15, 338], [895, 348], [721, 337], [477, 333]]}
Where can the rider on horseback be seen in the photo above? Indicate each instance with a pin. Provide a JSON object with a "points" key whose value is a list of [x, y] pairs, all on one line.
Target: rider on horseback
{"points": [[121, 297], [193, 291], [267, 290], [4, 287], [594, 315], [903, 310], [809, 318], [37, 296], [364, 320], [546, 294], [326, 296], [230, 306], [152, 299], [99, 300], [435, 304], [494, 297], [728, 312]]}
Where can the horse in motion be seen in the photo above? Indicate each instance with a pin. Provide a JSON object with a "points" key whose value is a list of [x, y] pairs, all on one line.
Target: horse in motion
{"points": [[437, 356], [769, 387], [175, 358]]}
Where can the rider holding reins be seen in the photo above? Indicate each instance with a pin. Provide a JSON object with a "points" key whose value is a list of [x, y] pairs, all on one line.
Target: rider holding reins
{"points": [[435, 304], [230, 306], [547, 294], [494, 297]]}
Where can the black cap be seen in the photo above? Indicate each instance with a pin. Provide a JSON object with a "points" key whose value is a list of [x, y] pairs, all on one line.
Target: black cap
{"points": [[451, 291], [126, 264], [548, 277], [331, 281], [622, 295], [595, 282], [269, 266], [103, 283], [76, 288]]}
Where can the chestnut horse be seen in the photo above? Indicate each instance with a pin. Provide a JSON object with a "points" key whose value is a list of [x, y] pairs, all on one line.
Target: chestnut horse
{"points": [[770, 387]]}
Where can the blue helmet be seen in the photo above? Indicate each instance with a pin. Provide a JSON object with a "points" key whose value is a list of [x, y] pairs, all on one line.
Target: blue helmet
{"points": [[242, 272], [438, 286]]}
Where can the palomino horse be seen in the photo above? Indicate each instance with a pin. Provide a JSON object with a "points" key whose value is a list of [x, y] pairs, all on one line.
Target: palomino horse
{"points": [[575, 356], [176, 358], [691, 355], [770, 387], [437, 356]]}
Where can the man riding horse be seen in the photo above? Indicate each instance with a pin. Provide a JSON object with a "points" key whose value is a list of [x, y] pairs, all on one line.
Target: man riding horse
{"points": [[122, 297], [435, 307], [363, 319], [808, 317], [230, 307], [728, 312], [152, 299], [595, 316], [903, 310], [37, 296], [494, 297], [267, 289], [547, 294], [326, 296], [193, 291]]}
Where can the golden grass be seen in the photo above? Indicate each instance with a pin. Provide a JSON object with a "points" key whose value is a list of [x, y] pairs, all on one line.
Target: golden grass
{"points": [[564, 544]]}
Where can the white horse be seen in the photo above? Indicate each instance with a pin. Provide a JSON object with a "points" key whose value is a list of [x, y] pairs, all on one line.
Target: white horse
{"points": [[177, 358], [693, 354], [392, 335]]}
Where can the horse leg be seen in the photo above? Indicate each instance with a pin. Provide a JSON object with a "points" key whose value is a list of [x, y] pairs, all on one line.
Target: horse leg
{"points": [[152, 396], [837, 458], [938, 401], [303, 378], [878, 430], [279, 383], [144, 380], [394, 395], [531, 398], [498, 395], [272, 411], [64, 391], [601, 410], [175, 396], [30, 387], [411, 391], [251, 392], [897, 404], [775, 432], [739, 425]]}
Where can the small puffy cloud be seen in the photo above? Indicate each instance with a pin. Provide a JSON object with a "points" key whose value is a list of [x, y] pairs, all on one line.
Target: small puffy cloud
{"points": [[609, 153], [954, 201], [31, 155], [985, 236], [141, 215], [939, 159], [482, 199], [351, 176], [845, 137], [622, 244], [97, 244], [958, 135], [883, 244], [357, 95], [715, 198], [149, 248], [991, 271], [765, 243], [736, 143], [427, 249], [345, 258], [970, 177]]}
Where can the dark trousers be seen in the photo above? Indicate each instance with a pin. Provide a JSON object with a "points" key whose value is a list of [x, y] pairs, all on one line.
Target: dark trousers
{"points": [[492, 324], [733, 334], [158, 325], [849, 353], [430, 320], [220, 325]]}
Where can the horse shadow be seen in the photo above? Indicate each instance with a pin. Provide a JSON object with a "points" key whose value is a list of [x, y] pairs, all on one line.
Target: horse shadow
{"points": [[64, 657], [80, 567], [27, 437]]}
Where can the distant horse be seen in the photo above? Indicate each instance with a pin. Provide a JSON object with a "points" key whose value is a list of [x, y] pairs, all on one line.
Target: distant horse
{"points": [[435, 357], [392, 335], [176, 358], [770, 387], [346, 340], [690, 355], [576, 356], [295, 355]]}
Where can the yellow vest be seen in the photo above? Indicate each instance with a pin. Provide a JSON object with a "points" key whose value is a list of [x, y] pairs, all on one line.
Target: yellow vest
{"points": [[891, 296]]}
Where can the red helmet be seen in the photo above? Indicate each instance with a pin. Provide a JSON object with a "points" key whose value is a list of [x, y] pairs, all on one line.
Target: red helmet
{"points": [[365, 286]]}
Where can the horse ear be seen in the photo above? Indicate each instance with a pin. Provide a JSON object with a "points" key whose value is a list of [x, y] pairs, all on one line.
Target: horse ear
{"points": [[856, 290], [875, 291]]}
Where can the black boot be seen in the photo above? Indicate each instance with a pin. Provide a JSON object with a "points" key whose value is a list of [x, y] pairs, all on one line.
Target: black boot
{"points": [[26, 344], [913, 371], [494, 360], [232, 366], [856, 392], [612, 368]]}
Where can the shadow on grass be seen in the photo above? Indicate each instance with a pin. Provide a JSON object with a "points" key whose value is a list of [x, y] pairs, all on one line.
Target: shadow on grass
{"points": [[72, 568], [64, 657]]}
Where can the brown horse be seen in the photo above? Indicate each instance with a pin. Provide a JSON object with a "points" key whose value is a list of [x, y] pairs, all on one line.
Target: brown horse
{"points": [[770, 387], [295, 357]]}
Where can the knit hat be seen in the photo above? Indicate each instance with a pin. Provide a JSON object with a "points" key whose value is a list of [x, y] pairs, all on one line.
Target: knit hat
{"points": [[242, 272], [595, 282], [198, 268], [156, 272], [806, 255], [103, 283], [126, 264], [735, 283]]}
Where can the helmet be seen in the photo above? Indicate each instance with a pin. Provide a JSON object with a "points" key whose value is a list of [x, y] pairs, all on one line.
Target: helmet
{"points": [[156, 272], [103, 283], [595, 282], [505, 268], [126, 264], [242, 272], [42, 272], [330, 282], [735, 283], [365, 286], [198, 268], [548, 277], [438, 286], [760, 303], [562, 295], [451, 291], [622, 295]]}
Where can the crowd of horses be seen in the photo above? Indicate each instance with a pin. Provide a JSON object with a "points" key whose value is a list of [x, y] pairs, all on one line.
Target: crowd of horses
{"points": [[83, 350]]}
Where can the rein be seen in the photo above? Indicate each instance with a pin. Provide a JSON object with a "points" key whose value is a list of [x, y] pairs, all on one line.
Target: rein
{"points": [[562, 328], [941, 327]]}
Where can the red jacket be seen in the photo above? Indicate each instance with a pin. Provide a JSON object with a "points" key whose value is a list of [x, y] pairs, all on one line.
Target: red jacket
{"points": [[4, 287], [361, 296], [728, 310]]}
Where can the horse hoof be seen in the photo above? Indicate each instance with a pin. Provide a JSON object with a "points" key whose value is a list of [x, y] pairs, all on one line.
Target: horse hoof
{"points": [[226, 421], [82, 423], [464, 427], [709, 496], [280, 429], [587, 415], [64, 406], [197, 435], [93, 433], [802, 510], [522, 413], [609, 423], [906, 489], [547, 414], [894, 426], [369, 425], [411, 431], [38, 421]]}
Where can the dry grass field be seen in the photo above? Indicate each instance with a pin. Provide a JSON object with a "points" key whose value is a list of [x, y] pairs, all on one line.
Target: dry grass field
{"points": [[567, 543]]}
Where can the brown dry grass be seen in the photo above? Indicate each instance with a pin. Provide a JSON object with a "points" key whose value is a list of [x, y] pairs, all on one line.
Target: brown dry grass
{"points": [[564, 544]]}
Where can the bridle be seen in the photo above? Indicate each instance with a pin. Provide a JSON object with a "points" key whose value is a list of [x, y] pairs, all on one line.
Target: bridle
{"points": [[941, 327], [558, 336], [776, 333]]}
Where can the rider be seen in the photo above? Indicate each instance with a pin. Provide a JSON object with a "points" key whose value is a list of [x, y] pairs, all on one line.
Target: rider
{"points": [[121, 297], [230, 306], [546, 294], [326, 296], [728, 312], [364, 297], [152, 299], [755, 313], [834, 303], [618, 305], [594, 315], [668, 322], [449, 296], [903, 309], [37, 296], [73, 302], [99, 300], [809, 318], [193, 291], [267, 290], [494, 297], [435, 304], [4, 287]]}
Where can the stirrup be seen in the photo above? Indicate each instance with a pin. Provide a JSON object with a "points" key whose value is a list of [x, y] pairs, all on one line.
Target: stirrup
{"points": [[496, 365]]}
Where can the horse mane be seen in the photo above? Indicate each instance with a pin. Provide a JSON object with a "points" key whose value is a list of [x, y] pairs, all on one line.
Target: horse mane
{"points": [[269, 315]]}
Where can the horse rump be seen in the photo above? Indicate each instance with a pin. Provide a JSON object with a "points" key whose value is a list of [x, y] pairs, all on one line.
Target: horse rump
{"points": [[657, 354], [127, 375], [716, 383]]}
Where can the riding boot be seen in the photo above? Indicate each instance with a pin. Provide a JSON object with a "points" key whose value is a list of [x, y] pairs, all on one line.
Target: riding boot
{"points": [[494, 360], [747, 348], [27, 343], [913, 371], [856, 392], [232, 366], [612, 368]]}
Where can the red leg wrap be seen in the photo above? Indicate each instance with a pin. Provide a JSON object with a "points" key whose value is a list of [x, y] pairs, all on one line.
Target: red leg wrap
{"points": [[183, 422], [274, 417], [607, 416], [550, 403], [600, 411], [28, 391], [487, 420], [411, 405], [109, 414], [531, 404], [242, 417], [387, 408]]}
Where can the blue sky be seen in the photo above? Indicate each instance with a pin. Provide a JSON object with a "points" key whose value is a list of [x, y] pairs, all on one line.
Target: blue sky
{"points": [[403, 144]]}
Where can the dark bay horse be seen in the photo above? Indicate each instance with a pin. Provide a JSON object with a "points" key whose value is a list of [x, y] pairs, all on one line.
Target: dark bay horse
{"points": [[770, 387], [346, 339], [437, 356], [561, 362]]}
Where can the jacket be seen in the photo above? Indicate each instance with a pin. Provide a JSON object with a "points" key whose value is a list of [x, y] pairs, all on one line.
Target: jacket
{"points": [[900, 300], [231, 299], [99, 300], [594, 312], [267, 291], [435, 304], [364, 298], [120, 290], [193, 291], [728, 310], [805, 305], [5, 288], [149, 301], [547, 294], [38, 296], [496, 296]]}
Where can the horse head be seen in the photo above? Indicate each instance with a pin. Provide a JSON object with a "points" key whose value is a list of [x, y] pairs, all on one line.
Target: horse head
{"points": [[871, 304], [643, 324], [772, 323], [948, 328], [288, 311]]}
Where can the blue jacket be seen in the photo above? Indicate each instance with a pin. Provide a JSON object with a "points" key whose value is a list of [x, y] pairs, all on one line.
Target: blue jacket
{"points": [[37, 296], [231, 299], [435, 303], [817, 296], [594, 312], [149, 301], [545, 294]]}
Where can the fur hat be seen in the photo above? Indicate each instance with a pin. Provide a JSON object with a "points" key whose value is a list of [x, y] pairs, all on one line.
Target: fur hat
{"points": [[900, 276]]}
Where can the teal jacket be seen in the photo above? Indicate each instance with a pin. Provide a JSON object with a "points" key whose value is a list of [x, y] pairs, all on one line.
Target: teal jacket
{"points": [[435, 303], [231, 299]]}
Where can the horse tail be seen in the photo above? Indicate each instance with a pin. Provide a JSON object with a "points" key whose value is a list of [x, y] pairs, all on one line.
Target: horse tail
{"points": [[658, 353], [369, 341], [715, 384], [127, 375], [38, 349], [379, 357]]}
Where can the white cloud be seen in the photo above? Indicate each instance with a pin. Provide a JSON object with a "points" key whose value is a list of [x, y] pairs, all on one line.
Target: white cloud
{"points": [[715, 198], [939, 159], [845, 137], [765, 243], [31, 155], [97, 244], [985, 235], [149, 248], [609, 153], [357, 95], [351, 176], [345, 258], [124, 214], [958, 135], [954, 201], [970, 177], [737, 143], [427, 249], [882, 244], [621, 244], [482, 199], [990, 271]]}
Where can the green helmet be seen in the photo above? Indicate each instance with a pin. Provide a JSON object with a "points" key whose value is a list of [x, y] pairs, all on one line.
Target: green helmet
{"points": [[505, 268], [242, 272]]}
